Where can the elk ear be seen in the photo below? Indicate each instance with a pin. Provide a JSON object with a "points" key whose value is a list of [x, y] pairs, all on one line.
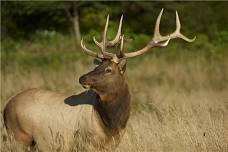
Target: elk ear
{"points": [[122, 66], [97, 61]]}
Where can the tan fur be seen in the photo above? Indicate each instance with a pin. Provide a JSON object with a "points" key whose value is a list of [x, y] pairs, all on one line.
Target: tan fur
{"points": [[41, 116]]}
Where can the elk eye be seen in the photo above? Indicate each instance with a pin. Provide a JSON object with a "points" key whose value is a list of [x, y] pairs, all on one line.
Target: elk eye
{"points": [[108, 69]]}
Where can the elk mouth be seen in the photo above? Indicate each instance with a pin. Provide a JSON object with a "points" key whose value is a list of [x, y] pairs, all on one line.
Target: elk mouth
{"points": [[84, 83], [85, 86]]}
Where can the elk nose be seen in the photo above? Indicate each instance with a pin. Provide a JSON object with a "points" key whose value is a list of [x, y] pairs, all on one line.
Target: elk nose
{"points": [[82, 79]]}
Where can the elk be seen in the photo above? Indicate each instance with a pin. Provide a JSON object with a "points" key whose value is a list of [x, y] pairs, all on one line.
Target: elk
{"points": [[100, 114]]}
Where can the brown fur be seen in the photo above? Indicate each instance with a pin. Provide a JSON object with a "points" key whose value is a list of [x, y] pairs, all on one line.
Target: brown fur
{"points": [[115, 113]]}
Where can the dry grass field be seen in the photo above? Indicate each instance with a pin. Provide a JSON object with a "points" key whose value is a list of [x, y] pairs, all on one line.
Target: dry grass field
{"points": [[178, 106]]}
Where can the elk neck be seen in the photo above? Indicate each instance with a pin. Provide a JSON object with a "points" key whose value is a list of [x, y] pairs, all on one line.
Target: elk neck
{"points": [[114, 106]]}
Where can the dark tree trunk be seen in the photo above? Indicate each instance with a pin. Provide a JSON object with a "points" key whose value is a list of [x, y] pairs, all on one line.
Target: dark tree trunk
{"points": [[72, 12], [76, 24]]}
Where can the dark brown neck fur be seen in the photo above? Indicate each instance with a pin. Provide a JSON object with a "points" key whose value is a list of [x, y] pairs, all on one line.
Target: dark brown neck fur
{"points": [[114, 108]]}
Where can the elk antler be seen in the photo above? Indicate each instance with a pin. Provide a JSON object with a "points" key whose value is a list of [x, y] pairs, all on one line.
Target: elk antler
{"points": [[158, 39], [105, 43], [115, 40]]}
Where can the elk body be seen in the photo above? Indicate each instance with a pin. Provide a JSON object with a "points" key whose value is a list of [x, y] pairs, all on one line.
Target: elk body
{"points": [[99, 114]]}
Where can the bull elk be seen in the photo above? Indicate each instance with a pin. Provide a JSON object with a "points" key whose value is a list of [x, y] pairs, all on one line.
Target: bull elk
{"points": [[100, 113]]}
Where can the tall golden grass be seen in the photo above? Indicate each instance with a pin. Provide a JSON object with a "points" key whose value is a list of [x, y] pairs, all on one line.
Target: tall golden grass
{"points": [[178, 106]]}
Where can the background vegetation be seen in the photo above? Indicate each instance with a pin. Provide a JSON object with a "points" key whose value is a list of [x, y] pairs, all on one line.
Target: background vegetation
{"points": [[180, 93]]}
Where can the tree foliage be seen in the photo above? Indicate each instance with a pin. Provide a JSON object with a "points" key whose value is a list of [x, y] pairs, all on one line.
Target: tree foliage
{"points": [[24, 18], [32, 20]]}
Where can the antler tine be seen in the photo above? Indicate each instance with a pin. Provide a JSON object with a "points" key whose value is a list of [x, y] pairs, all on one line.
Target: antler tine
{"points": [[88, 51], [122, 45], [118, 35], [158, 39], [179, 34], [105, 35], [115, 40], [96, 42], [104, 42], [157, 34], [178, 24]]}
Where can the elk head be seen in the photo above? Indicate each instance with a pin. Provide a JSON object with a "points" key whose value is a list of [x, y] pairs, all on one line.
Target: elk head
{"points": [[111, 67]]}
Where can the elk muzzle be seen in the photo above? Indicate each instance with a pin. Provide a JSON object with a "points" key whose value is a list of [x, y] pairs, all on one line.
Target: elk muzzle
{"points": [[83, 81]]}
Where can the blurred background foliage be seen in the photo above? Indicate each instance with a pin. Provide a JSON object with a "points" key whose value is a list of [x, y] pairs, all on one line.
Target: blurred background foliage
{"points": [[36, 34]]}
